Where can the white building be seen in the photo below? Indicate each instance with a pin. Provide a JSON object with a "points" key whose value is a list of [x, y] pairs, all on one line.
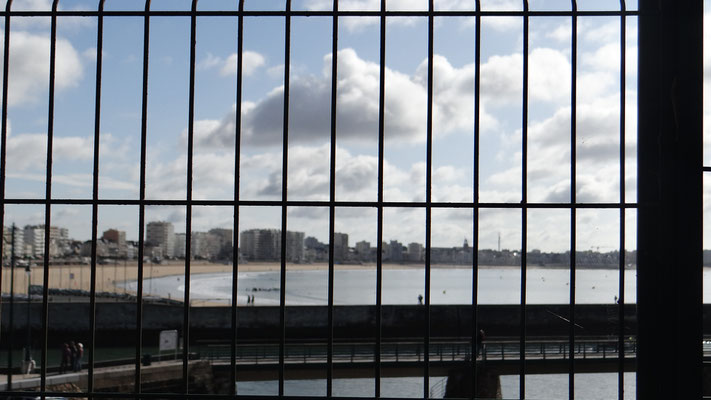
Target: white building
{"points": [[7, 242], [34, 240]]}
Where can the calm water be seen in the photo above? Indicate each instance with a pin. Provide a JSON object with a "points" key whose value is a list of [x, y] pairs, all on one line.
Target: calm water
{"points": [[401, 286], [543, 387]]}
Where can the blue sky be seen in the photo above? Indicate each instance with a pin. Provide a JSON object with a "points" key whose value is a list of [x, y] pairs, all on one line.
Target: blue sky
{"points": [[356, 177]]}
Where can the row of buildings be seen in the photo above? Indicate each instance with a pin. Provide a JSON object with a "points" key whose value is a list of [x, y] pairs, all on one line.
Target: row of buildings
{"points": [[30, 241], [161, 242]]}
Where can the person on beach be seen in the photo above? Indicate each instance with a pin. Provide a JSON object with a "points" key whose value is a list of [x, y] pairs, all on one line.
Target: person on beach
{"points": [[480, 341], [73, 355], [77, 360], [419, 299], [66, 358]]}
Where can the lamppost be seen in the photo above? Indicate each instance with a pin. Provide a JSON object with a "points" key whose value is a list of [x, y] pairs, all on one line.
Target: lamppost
{"points": [[12, 308], [28, 351]]}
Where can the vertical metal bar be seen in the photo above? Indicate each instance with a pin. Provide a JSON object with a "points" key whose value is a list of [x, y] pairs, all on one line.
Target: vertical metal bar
{"points": [[11, 333], [235, 227], [573, 188], [3, 163], [189, 196], [524, 205], [622, 257], [475, 211], [95, 197], [428, 195], [48, 196], [670, 190], [332, 197], [381, 163], [142, 200], [284, 184]]}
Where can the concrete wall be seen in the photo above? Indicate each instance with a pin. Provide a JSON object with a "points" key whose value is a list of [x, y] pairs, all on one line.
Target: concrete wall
{"points": [[118, 321]]}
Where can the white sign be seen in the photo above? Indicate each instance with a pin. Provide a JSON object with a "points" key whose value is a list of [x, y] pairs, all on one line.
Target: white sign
{"points": [[168, 340]]}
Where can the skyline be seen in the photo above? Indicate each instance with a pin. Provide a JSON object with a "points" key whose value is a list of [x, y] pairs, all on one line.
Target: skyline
{"points": [[65, 235]]}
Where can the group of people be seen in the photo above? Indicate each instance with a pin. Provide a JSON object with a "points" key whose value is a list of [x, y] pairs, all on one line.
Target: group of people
{"points": [[71, 357], [250, 299]]}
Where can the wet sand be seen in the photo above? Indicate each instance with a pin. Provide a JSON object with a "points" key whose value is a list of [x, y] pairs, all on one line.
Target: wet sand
{"points": [[79, 276]]}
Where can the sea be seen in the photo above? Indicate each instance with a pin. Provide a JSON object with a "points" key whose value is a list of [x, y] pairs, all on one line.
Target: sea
{"points": [[449, 285], [496, 285]]}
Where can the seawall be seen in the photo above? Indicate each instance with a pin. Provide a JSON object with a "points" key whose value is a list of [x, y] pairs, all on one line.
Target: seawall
{"points": [[117, 321]]}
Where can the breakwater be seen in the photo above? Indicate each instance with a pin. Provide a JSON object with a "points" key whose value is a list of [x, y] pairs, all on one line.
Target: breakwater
{"points": [[117, 321]]}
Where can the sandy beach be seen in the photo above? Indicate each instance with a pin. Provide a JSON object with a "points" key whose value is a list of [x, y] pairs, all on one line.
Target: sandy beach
{"points": [[107, 275]]}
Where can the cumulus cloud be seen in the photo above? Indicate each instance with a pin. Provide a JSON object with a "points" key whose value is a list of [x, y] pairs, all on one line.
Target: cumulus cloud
{"points": [[562, 33], [29, 151], [309, 174], [502, 77], [358, 91], [499, 23], [549, 154], [251, 62], [29, 66]]}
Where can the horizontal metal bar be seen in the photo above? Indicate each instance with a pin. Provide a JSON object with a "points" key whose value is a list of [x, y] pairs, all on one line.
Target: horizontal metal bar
{"points": [[329, 13], [316, 203], [110, 395]]}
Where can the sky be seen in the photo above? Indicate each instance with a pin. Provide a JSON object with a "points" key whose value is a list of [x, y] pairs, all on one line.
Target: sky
{"points": [[549, 115]]}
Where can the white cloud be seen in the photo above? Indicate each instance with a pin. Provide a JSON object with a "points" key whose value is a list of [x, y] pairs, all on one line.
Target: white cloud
{"points": [[595, 33], [606, 57], [29, 66], [29, 151], [251, 62], [499, 23], [357, 24], [502, 77], [358, 92], [90, 54], [210, 61], [563, 33], [549, 155]]}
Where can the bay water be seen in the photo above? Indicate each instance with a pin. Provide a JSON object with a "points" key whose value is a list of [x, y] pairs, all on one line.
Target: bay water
{"points": [[496, 285]]}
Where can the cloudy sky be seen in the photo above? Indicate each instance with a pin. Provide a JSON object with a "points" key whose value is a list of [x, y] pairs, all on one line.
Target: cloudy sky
{"points": [[549, 119]]}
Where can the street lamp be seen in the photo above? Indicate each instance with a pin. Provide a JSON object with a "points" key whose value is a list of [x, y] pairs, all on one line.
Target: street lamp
{"points": [[12, 307], [28, 351]]}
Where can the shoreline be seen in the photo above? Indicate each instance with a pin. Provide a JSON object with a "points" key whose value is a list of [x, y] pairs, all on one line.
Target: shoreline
{"points": [[108, 275]]}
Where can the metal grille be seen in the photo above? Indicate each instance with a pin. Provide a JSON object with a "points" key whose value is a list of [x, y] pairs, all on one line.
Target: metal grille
{"points": [[332, 350]]}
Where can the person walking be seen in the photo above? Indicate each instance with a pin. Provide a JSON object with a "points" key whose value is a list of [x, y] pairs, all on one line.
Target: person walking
{"points": [[73, 357], [80, 355], [480, 341], [66, 362]]}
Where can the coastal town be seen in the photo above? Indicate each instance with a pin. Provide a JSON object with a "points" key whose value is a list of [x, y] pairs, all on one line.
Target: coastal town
{"points": [[162, 243]]}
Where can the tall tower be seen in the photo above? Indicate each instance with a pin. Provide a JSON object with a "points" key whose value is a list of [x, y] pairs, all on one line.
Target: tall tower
{"points": [[161, 233]]}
